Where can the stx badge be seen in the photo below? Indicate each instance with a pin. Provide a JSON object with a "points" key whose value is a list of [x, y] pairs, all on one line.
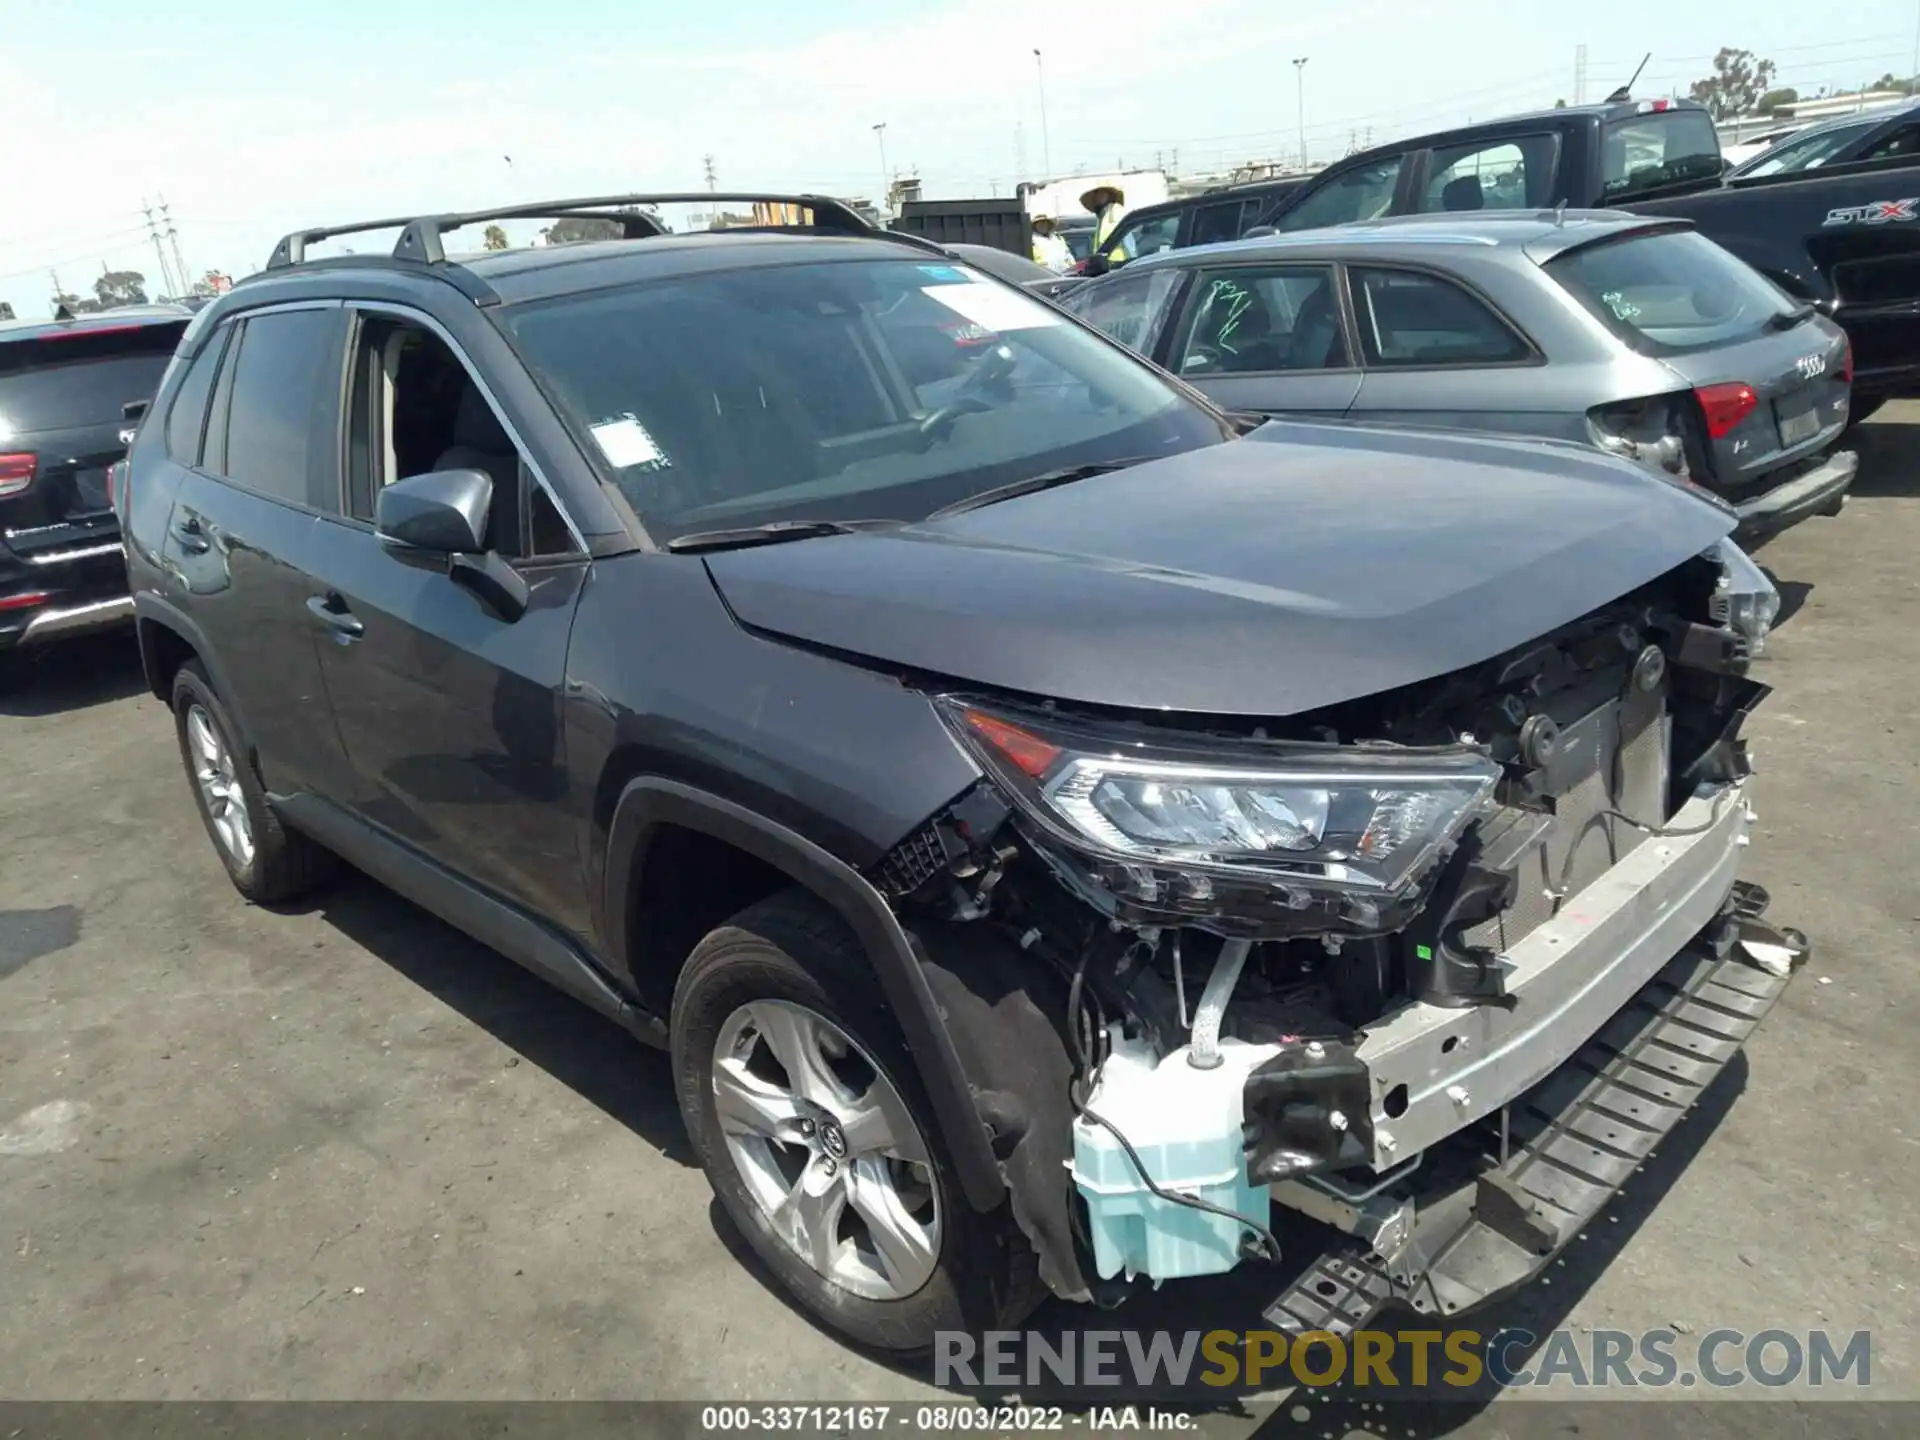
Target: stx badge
{"points": [[1880, 212]]}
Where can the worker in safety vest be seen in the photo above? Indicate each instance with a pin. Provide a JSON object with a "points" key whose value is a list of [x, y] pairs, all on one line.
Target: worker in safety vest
{"points": [[1108, 205], [1050, 246]]}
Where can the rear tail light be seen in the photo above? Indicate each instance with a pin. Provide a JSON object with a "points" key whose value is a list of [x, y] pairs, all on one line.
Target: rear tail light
{"points": [[16, 472], [116, 483], [1725, 406], [1846, 361], [25, 600]]}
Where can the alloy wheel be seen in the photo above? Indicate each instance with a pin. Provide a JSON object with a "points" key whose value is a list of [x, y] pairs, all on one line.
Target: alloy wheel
{"points": [[827, 1148], [213, 772]]}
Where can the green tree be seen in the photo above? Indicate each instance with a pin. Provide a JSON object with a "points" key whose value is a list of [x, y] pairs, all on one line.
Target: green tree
{"points": [[1739, 79], [1559, 104], [1774, 99], [495, 238], [570, 229], [121, 287]]}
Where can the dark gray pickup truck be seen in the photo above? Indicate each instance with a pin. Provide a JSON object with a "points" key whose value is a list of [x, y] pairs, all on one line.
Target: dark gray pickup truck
{"points": [[1845, 237]]}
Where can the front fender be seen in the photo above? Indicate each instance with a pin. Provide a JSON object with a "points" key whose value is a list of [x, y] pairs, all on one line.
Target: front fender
{"points": [[649, 802]]}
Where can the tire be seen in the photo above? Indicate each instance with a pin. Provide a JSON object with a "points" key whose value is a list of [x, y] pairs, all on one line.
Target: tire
{"points": [[790, 953], [276, 864]]}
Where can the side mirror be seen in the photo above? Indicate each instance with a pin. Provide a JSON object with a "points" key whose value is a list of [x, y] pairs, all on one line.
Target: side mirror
{"points": [[444, 511], [1096, 264]]}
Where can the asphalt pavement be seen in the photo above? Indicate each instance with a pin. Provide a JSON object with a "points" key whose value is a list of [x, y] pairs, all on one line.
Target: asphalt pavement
{"points": [[344, 1152]]}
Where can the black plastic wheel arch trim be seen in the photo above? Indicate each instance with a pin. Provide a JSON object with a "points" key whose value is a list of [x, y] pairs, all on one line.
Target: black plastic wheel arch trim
{"points": [[648, 802]]}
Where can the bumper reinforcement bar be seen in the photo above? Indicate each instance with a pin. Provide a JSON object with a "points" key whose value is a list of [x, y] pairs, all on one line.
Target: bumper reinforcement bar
{"points": [[1573, 1142]]}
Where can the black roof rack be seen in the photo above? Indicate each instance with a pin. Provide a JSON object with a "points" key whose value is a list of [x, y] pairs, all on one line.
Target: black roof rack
{"points": [[420, 234]]}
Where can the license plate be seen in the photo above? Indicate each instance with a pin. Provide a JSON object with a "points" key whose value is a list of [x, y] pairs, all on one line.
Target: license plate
{"points": [[1797, 427]]}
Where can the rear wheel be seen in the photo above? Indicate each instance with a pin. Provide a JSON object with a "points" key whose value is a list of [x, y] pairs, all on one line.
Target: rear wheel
{"points": [[266, 862], [807, 1115]]}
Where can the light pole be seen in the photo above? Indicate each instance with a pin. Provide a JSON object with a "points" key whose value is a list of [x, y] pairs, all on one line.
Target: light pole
{"points": [[886, 175], [1046, 145], [1300, 96]]}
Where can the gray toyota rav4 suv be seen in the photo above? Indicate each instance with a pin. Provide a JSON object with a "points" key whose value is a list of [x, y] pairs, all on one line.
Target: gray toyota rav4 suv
{"points": [[1067, 839]]}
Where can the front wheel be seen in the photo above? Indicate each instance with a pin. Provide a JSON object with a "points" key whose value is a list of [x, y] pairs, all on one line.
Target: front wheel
{"points": [[808, 1118]]}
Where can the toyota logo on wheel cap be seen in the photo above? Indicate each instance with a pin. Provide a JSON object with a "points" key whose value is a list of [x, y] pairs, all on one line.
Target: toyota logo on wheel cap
{"points": [[833, 1140]]}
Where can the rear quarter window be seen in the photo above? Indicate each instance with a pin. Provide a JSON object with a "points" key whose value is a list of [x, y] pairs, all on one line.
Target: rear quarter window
{"points": [[1670, 292]]}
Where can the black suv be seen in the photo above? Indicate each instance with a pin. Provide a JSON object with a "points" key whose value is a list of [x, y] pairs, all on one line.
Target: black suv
{"points": [[71, 392], [1064, 840]]}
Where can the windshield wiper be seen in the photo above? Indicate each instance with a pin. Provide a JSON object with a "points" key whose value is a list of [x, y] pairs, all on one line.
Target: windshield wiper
{"points": [[1787, 319], [1033, 483], [772, 533]]}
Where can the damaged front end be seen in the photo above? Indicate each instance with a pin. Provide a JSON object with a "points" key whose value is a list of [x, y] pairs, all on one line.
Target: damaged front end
{"points": [[1325, 960]]}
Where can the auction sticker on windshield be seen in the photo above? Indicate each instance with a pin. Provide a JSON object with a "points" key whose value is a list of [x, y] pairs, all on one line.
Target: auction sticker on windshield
{"points": [[625, 442], [994, 307]]}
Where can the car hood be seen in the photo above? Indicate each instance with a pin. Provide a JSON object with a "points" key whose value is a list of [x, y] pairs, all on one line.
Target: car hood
{"points": [[1299, 567]]}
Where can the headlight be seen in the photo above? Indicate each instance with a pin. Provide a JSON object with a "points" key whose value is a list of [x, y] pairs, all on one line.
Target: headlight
{"points": [[1317, 816], [1744, 600]]}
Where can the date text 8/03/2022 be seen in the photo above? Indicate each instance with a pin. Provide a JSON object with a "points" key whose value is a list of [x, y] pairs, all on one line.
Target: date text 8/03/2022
{"points": [[941, 1419]]}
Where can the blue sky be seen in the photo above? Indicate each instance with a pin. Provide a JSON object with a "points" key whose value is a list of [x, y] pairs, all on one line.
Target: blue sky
{"points": [[252, 119]]}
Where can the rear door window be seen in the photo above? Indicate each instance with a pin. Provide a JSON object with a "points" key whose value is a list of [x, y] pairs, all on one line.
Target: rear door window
{"points": [[1512, 173], [1261, 318], [1410, 318], [1660, 148], [1670, 292], [286, 382], [82, 378], [1362, 193]]}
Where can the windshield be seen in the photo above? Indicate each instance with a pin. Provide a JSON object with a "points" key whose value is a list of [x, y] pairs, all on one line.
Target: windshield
{"points": [[1671, 291], [1660, 148], [1805, 152], [869, 389]]}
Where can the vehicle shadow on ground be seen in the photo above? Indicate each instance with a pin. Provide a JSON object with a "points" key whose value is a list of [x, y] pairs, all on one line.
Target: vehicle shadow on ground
{"points": [[580, 1048], [1887, 459], [1234, 1302], [74, 675]]}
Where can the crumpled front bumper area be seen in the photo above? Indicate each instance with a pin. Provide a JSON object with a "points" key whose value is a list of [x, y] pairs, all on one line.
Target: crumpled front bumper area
{"points": [[1570, 1143]]}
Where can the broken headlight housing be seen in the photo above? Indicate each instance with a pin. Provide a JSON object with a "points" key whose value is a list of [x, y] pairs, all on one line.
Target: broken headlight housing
{"points": [[1744, 599], [1309, 817]]}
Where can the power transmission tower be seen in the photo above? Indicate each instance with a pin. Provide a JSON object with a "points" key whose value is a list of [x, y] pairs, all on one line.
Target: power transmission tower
{"points": [[708, 162], [1580, 74], [159, 250], [173, 239]]}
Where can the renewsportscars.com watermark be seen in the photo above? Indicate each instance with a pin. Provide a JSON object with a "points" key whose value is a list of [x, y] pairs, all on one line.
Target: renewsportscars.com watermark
{"points": [[1382, 1359]]}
